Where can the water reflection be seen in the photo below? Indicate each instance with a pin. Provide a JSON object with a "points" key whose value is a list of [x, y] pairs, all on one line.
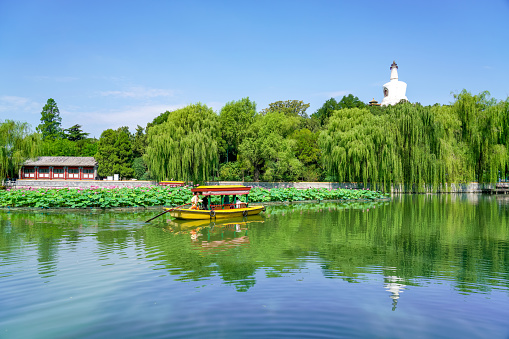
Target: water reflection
{"points": [[459, 238], [394, 285]]}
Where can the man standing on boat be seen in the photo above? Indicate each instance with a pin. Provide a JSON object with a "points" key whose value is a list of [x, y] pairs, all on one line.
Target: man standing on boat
{"points": [[195, 201]]}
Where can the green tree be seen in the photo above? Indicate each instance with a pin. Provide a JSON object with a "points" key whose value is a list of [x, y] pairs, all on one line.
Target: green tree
{"points": [[67, 148], [139, 142], [159, 119], [75, 133], [288, 107], [308, 153], [324, 112], [483, 129], [17, 144], [114, 153], [351, 101], [235, 118], [267, 151], [185, 146], [87, 147], [59, 148], [50, 121], [358, 146]]}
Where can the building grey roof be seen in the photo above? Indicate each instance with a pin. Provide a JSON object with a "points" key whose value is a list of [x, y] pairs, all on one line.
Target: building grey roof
{"points": [[62, 161]]}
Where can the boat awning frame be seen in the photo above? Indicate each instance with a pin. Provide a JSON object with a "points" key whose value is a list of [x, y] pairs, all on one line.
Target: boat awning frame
{"points": [[222, 190]]}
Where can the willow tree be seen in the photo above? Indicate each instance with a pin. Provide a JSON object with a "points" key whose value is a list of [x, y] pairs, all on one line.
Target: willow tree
{"points": [[17, 144], [484, 130], [359, 146], [185, 146]]}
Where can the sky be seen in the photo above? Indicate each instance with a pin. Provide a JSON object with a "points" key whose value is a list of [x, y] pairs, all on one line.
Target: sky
{"points": [[114, 63]]}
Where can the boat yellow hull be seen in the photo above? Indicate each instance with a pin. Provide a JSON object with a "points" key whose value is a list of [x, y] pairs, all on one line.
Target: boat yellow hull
{"points": [[188, 214], [185, 224]]}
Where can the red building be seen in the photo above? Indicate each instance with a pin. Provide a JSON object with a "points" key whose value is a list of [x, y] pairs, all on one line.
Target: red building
{"points": [[59, 168]]}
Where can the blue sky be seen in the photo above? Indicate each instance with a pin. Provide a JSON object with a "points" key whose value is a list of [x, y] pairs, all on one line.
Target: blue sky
{"points": [[121, 63]]}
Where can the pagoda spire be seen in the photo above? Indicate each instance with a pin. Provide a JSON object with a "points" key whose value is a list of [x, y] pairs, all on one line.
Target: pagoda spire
{"points": [[394, 90], [394, 71]]}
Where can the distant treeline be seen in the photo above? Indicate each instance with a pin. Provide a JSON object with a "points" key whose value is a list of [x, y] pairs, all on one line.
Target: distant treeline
{"points": [[344, 140]]}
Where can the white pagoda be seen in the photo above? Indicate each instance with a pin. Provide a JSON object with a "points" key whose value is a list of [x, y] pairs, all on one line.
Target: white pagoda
{"points": [[394, 90]]}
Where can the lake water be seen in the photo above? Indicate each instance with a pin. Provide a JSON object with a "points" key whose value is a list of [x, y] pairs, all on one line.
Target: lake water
{"points": [[419, 266]]}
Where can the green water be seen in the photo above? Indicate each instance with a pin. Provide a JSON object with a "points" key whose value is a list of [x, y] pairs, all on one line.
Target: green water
{"points": [[417, 266]]}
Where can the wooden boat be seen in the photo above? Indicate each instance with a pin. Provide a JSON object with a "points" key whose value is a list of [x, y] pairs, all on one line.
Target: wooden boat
{"points": [[224, 209]]}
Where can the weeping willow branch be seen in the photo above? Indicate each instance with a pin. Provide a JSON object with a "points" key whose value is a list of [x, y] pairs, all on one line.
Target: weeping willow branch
{"points": [[185, 147], [17, 144]]}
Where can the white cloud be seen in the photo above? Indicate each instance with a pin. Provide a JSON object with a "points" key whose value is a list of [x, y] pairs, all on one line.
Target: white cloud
{"points": [[140, 93], [15, 104], [98, 121]]}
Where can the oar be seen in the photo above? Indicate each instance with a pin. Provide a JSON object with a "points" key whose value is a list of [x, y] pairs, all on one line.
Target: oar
{"points": [[171, 209]]}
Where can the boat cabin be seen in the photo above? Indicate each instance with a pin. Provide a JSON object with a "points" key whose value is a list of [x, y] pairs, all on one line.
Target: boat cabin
{"points": [[228, 196]]}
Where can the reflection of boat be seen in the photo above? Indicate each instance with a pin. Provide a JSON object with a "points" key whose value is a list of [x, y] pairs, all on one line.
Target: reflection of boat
{"points": [[222, 222], [224, 209]]}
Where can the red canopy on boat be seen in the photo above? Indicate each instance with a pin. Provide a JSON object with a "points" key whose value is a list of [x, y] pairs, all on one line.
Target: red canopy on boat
{"points": [[222, 190]]}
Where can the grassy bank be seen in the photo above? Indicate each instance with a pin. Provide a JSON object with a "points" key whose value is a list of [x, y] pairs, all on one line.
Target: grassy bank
{"points": [[161, 196]]}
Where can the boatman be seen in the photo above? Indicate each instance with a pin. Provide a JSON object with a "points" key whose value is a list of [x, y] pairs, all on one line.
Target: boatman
{"points": [[195, 201]]}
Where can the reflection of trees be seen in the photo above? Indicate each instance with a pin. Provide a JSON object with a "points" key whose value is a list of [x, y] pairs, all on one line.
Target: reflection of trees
{"points": [[413, 238]]}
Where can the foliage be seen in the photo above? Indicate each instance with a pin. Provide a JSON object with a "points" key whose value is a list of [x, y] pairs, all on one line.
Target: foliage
{"points": [[161, 118], [185, 147], [288, 107], [65, 147], [324, 112], [331, 105], [139, 142], [75, 133], [267, 147], [235, 118], [114, 154], [17, 144], [356, 147], [139, 167], [351, 101], [293, 194], [484, 129], [50, 121], [417, 145], [158, 196], [230, 171]]}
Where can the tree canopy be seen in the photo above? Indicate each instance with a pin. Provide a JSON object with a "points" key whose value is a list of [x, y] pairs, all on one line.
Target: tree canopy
{"points": [[288, 107], [17, 144], [114, 153], [267, 150], [50, 121], [235, 118], [331, 105], [185, 146], [75, 133]]}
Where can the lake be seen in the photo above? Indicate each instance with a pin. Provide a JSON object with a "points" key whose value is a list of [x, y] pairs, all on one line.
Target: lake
{"points": [[425, 266]]}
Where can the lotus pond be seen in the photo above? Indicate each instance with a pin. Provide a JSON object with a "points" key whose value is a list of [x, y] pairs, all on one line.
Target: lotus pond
{"points": [[426, 266], [160, 195]]}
